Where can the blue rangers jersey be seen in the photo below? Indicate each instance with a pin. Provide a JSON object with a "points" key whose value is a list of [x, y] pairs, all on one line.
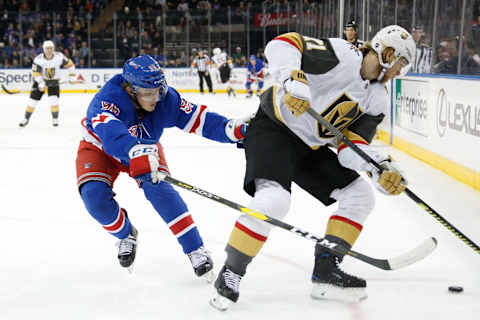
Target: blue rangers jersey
{"points": [[114, 125], [255, 71]]}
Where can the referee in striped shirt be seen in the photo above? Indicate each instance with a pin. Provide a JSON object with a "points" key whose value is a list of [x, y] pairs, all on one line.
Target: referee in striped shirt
{"points": [[202, 64]]}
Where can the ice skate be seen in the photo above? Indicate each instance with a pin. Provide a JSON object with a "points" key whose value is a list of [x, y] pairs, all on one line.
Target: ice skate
{"points": [[227, 285], [23, 123], [55, 122], [249, 95], [127, 249], [202, 264], [332, 283]]}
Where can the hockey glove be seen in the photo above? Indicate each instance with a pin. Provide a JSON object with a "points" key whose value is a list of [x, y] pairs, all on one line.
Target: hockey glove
{"points": [[40, 83], [144, 163], [236, 128], [391, 181], [297, 96]]}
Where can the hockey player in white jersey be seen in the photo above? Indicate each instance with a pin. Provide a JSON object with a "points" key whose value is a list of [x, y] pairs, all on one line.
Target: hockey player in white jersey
{"points": [[46, 74], [336, 79], [223, 66]]}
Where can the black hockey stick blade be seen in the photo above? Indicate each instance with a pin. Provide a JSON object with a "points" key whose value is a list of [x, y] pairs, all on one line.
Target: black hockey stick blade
{"points": [[408, 192], [401, 261], [8, 91]]}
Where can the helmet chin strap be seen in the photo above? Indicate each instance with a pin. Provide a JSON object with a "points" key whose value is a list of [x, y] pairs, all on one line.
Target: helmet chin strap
{"points": [[382, 74]]}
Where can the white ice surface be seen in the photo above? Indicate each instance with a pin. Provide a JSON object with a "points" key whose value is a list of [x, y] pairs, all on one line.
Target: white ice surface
{"points": [[56, 262]]}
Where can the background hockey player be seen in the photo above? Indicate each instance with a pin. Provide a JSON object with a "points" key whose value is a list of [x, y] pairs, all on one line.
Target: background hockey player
{"points": [[350, 33], [255, 74], [332, 77], [224, 67], [122, 129], [46, 74], [202, 64]]}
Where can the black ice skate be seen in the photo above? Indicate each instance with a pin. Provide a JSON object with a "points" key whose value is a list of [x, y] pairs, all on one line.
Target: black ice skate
{"points": [[227, 285], [55, 122], [23, 123], [202, 264], [127, 249], [332, 283]]}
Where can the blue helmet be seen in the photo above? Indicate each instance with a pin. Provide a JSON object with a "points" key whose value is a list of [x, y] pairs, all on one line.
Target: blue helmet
{"points": [[144, 72]]}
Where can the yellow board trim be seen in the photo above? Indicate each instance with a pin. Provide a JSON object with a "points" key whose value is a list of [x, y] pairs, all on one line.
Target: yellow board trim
{"points": [[461, 173]]}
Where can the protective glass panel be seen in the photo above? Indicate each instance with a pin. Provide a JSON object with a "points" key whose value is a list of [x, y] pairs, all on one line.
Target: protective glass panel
{"points": [[422, 29], [448, 35]]}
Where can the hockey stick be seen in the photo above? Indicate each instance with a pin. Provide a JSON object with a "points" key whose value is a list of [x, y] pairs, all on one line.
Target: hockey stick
{"points": [[403, 260], [28, 90], [410, 194], [13, 92]]}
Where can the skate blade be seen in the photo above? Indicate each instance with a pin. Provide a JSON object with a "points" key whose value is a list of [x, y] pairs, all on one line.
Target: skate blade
{"points": [[130, 269], [209, 276], [322, 291], [220, 303]]}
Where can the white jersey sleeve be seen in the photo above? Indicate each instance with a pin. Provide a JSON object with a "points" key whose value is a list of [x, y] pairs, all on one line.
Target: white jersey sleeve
{"points": [[282, 58]]}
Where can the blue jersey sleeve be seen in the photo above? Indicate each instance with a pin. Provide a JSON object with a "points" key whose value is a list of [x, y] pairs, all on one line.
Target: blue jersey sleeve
{"points": [[193, 118], [113, 134]]}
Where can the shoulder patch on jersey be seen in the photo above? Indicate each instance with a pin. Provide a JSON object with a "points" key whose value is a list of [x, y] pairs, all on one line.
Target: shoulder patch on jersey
{"points": [[186, 106], [319, 56], [293, 38], [109, 106]]}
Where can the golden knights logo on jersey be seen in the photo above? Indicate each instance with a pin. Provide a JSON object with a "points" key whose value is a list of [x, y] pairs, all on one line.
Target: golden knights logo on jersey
{"points": [[340, 113], [49, 73]]}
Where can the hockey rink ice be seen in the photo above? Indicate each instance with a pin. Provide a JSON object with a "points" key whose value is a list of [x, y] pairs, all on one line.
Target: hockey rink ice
{"points": [[58, 263]]}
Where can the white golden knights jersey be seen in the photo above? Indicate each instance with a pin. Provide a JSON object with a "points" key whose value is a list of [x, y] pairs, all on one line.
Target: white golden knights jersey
{"points": [[338, 92], [220, 59], [49, 69]]}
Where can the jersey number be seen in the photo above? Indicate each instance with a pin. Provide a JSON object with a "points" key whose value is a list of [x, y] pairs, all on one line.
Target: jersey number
{"points": [[314, 44]]}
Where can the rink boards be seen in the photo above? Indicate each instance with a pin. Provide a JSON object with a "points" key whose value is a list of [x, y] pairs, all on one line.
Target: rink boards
{"points": [[434, 119], [90, 80], [437, 120]]}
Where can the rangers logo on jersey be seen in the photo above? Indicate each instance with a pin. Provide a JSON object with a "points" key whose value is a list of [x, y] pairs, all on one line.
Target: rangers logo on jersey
{"points": [[133, 130], [186, 106]]}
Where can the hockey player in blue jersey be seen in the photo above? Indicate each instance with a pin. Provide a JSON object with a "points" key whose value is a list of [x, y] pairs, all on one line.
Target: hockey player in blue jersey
{"points": [[255, 73], [122, 129]]}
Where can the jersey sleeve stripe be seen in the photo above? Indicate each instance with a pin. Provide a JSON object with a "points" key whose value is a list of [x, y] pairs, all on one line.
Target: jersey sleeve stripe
{"points": [[343, 145], [199, 121], [104, 117], [292, 38]]}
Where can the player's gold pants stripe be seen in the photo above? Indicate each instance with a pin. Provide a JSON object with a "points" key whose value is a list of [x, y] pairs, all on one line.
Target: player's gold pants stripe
{"points": [[54, 108], [344, 228], [246, 241]]}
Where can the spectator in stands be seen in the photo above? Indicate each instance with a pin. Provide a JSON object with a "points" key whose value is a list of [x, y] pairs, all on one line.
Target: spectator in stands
{"points": [[158, 55], [237, 57], [445, 53], [84, 51], [470, 60], [182, 7]]}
